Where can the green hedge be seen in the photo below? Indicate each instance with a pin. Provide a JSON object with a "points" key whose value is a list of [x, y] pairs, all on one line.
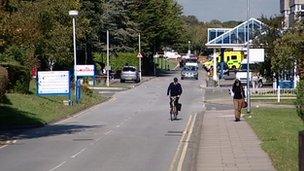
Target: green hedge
{"points": [[3, 81], [300, 99], [117, 62], [19, 78]]}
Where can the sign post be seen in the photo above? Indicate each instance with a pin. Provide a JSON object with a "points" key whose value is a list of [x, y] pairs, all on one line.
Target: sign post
{"points": [[139, 56]]}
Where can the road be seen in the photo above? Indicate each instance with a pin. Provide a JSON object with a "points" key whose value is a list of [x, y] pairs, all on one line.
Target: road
{"points": [[130, 132]]}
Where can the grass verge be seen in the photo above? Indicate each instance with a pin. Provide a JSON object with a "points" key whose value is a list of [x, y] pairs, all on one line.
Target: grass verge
{"points": [[278, 130], [20, 110], [274, 101]]}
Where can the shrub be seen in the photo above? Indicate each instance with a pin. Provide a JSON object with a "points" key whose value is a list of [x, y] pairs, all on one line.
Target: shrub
{"points": [[117, 62], [19, 78], [300, 99], [3, 81]]}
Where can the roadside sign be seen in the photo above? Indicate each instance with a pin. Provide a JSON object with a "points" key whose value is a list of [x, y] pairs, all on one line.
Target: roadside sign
{"points": [[53, 83], [139, 55], [85, 70]]}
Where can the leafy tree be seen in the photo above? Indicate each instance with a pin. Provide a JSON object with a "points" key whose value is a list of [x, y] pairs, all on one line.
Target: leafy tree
{"points": [[289, 49], [266, 41]]}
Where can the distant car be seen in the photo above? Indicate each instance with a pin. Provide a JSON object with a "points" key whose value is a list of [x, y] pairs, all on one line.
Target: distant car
{"points": [[129, 73], [189, 72]]}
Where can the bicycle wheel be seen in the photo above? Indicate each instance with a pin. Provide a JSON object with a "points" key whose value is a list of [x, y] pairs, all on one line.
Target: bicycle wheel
{"points": [[171, 114], [175, 113]]}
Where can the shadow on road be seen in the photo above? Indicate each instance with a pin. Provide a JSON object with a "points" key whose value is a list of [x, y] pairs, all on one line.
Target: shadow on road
{"points": [[47, 131]]}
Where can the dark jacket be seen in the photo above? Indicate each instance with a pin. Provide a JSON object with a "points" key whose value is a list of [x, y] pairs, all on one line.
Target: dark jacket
{"points": [[174, 89], [239, 92]]}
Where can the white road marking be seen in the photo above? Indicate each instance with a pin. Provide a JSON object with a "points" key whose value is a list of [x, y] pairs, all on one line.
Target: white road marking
{"points": [[183, 155], [57, 166], [180, 143], [75, 155], [117, 126], [107, 133], [14, 141], [3, 146], [7, 142]]}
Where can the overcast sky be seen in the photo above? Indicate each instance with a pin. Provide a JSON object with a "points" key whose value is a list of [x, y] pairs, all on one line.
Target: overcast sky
{"points": [[225, 10]]}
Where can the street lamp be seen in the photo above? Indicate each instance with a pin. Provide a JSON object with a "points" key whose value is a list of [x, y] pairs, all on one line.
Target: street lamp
{"points": [[74, 14], [248, 48]]}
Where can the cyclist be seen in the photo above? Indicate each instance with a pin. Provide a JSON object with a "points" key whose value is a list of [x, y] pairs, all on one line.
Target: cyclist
{"points": [[174, 90]]}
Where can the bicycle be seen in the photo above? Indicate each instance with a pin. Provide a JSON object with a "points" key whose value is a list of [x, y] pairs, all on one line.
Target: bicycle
{"points": [[173, 108]]}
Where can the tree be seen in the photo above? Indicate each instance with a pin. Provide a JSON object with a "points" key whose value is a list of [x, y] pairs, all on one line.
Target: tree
{"points": [[289, 50], [266, 41]]}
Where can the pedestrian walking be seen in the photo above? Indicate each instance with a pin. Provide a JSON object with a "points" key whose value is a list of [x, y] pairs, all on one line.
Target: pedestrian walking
{"points": [[238, 99]]}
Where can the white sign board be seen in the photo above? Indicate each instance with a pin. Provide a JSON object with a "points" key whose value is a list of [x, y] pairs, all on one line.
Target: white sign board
{"points": [[53, 82], [85, 70], [256, 55]]}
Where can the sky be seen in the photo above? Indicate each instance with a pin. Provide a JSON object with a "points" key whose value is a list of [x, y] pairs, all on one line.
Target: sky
{"points": [[225, 10]]}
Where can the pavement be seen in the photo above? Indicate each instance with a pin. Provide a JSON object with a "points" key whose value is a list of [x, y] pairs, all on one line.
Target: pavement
{"points": [[224, 143]]}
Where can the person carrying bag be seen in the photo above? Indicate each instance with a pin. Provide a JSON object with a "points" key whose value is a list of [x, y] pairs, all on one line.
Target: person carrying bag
{"points": [[238, 99]]}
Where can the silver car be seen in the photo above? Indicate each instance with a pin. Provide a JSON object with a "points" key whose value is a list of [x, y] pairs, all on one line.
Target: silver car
{"points": [[189, 72], [129, 73]]}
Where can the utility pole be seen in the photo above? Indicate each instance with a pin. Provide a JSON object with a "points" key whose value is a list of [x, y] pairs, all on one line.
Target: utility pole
{"points": [[248, 56], [108, 63]]}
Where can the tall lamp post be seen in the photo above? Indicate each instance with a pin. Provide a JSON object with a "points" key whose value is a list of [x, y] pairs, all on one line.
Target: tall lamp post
{"points": [[74, 14], [248, 56], [108, 68]]}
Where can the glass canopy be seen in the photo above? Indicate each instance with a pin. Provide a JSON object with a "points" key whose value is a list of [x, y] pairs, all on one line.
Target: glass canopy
{"points": [[235, 37]]}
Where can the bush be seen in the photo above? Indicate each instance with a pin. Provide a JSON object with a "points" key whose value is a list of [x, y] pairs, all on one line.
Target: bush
{"points": [[117, 62], [300, 99], [19, 78], [3, 81]]}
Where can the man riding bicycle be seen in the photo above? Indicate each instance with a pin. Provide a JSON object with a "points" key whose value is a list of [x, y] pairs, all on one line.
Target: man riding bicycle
{"points": [[174, 90]]}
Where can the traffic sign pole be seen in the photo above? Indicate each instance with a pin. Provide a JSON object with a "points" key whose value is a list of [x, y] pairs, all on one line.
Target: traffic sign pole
{"points": [[139, 56]]}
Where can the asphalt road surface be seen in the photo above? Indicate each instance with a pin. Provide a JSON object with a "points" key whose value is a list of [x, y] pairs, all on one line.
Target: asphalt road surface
{"points": [[130, 132]]}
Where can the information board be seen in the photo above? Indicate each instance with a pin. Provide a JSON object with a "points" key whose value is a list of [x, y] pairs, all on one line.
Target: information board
{"points": [[85, 70], [53, 83]]}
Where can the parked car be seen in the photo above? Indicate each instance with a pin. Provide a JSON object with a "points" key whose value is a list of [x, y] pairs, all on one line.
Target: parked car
{"points": [[189, 72], [129, 73]]}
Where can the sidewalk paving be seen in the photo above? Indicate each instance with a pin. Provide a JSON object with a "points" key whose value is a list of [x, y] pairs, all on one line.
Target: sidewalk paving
{"points": [[229, 145]]}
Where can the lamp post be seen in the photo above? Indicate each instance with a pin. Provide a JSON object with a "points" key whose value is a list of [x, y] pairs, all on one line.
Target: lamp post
{"points": [[108, 62], [248, 56], [74, 14]]}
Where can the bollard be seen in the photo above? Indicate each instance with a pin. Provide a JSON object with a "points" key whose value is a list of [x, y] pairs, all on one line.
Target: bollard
{"points": [[301, 151]]}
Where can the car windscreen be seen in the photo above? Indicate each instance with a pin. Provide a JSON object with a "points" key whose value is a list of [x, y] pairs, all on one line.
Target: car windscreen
{"points": [[129, 69], [189, 68]]}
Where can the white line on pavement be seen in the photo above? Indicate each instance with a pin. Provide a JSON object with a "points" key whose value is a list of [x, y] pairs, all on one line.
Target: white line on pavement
{"points": [[57, 166], [75, 155]]}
